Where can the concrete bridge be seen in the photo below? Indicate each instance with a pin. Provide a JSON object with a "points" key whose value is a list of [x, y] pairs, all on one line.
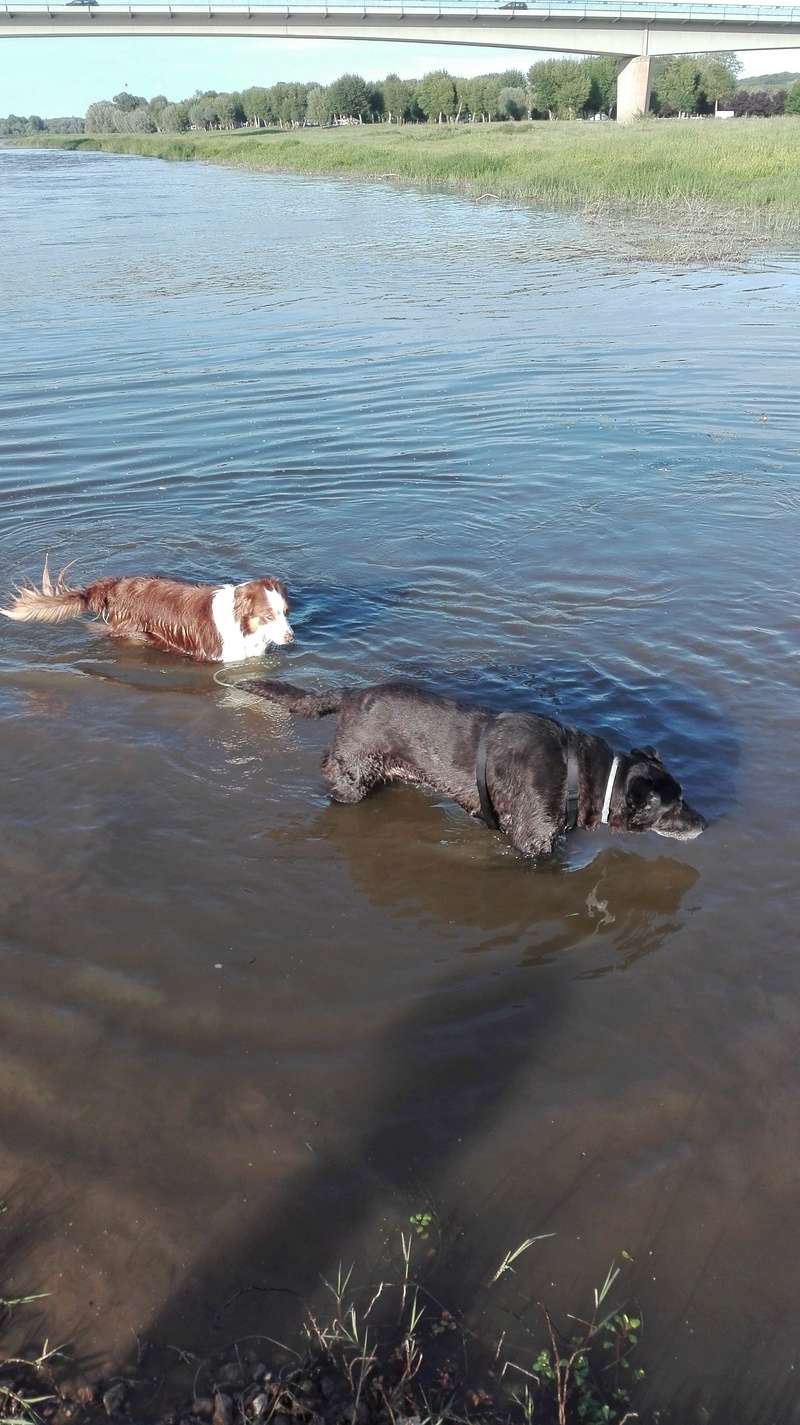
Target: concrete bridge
{"points": [[634, 30]]}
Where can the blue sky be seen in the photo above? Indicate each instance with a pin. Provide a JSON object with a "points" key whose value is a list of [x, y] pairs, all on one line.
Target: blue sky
{"points": [[62, 76]]}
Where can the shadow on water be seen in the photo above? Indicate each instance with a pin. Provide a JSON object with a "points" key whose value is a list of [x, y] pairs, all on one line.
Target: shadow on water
{"points": [[437, 1081], [30, 1213]]}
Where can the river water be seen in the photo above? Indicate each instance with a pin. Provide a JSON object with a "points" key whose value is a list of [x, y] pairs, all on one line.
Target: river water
{"points": [[245, 1034]]}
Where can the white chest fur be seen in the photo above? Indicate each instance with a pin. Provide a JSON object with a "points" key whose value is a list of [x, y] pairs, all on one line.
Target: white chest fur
{"points": [[236, 645]]}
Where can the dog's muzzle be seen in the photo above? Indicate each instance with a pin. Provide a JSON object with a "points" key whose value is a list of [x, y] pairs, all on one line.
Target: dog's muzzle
{"points": [[280, 631], [681, 822]]}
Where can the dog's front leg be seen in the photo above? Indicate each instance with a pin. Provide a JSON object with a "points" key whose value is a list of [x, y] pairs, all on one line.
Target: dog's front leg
{"points": [[531, 830]]}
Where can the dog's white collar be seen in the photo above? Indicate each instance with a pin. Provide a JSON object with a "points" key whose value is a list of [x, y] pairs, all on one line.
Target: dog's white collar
{"points": [[609, 789]]}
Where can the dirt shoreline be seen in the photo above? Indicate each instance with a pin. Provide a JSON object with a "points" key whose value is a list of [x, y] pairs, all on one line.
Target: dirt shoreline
{"points": [[388, 1353]]}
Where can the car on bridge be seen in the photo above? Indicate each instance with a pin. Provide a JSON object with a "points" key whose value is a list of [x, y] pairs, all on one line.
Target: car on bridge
{"points": [[509, 5], [81, 2]]}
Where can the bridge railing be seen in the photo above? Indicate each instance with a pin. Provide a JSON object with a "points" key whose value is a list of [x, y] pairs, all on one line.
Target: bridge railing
{"points": [[518, 12]]}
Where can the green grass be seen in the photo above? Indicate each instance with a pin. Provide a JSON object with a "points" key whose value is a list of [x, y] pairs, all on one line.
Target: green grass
{"points": [[745, 167]]}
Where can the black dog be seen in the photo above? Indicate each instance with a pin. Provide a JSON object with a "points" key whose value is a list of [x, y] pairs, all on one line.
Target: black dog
{"points": [[526, 775]]}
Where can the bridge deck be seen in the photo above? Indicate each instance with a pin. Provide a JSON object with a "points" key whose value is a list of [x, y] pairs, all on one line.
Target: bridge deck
{"points": [[628, 29]]}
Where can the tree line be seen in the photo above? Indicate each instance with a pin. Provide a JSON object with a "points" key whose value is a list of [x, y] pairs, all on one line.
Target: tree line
{"points": [[17, 125], [551, 89]]}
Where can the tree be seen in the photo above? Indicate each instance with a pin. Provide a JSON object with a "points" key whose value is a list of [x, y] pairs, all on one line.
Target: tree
{"points": [[574, 88], [139, 121], [229, 111], [277, 101], [398, 99], [100, 117], [560, 88], [602, 74], [490, 88], [792, 101], [255, 106], [436, 96], [377, 103], [470, 96], [173, 119], [292, 104], [511, 79], [513, 103], [349, 97], [473, 95], [68, 124], [203, 114], [318, 106], [482, 95], [717, 83], [730, 60], [544, 86], [694, 83], [678, 87], [393, 99], [125, 101]]}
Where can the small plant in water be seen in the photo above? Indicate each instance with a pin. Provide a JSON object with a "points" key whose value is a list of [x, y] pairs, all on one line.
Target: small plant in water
{"points": [[588, 1372], [421, 1222]]}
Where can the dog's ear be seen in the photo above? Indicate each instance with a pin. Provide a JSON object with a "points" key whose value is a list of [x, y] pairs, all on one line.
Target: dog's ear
{"points": [[645, 754], [648, 790], [641, 796], [270, 585], [246, 600]]}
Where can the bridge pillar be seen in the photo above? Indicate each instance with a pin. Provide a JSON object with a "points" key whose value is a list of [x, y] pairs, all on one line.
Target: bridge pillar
{"points": [[633, 89]]}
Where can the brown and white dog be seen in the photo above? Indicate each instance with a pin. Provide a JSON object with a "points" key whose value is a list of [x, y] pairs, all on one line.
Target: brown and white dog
{"points": [[222, 623]]}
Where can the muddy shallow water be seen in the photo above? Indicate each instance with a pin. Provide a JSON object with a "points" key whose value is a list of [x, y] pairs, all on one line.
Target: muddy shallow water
{"points": [[245, 1034]]}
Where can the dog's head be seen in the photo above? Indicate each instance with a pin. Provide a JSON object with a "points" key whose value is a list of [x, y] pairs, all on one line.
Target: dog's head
{"points": [[651, 800], [261, 607]]}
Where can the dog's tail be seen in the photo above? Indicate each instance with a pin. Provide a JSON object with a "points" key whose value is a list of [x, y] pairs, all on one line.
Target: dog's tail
{"points": [[294, 700], [52, 602]]}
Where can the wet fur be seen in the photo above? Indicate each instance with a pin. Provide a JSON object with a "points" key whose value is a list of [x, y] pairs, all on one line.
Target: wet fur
{"points": [[164, 613], [401, 732]]}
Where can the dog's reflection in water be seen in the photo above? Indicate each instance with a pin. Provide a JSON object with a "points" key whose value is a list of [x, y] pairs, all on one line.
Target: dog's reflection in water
{"points": [[402, 858]]}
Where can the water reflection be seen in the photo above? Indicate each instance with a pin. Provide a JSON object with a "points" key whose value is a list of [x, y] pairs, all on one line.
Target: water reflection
{"points": [[397, 856]]}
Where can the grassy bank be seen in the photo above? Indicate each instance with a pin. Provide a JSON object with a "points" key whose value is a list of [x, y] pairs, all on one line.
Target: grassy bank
{"points": [[382, 1352], [745, 168]]}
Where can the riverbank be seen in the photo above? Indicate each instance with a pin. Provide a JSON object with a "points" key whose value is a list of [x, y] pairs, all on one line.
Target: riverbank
{"points": [[744, 170], [385, 1352]]}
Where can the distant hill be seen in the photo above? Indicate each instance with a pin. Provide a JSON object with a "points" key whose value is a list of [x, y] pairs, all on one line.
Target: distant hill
{"points": [[768, 83]]}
